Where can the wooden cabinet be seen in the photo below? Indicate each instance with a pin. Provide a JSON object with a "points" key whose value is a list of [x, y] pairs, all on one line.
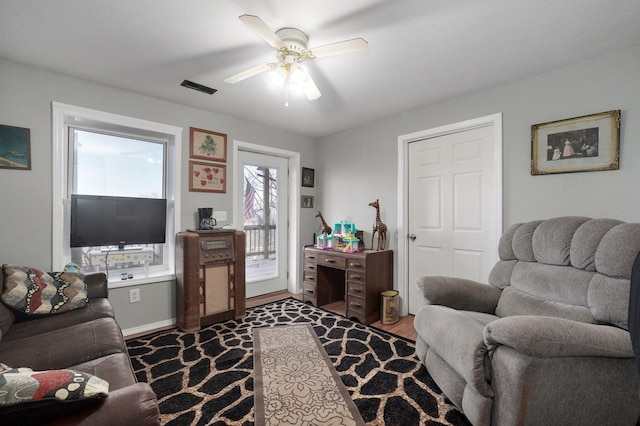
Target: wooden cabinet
{"points": [[355, 278], [210, 277]]}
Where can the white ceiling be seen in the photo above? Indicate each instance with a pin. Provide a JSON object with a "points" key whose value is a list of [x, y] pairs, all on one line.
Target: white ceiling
{"points": [[420, 51]]}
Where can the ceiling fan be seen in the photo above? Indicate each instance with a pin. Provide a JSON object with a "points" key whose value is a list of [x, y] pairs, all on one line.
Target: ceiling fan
{"points": [[291, 48]]}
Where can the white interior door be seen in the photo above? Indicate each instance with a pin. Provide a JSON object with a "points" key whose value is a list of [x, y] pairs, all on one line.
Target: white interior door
{"points": [[263, 201], [452, 206]]}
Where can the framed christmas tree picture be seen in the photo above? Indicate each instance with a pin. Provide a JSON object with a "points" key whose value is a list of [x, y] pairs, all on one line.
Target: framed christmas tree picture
{"points": [[208, 145]]}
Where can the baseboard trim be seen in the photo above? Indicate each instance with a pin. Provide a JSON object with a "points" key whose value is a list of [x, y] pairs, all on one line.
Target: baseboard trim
{"points": [[146, 328]]}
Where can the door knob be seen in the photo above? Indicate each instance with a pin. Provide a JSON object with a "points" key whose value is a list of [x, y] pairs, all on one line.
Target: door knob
{"points": [[412, 237]]}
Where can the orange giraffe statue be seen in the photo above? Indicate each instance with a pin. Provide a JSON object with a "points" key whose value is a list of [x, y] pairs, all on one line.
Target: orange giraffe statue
{"points": [[379, 227], [326, 229]]}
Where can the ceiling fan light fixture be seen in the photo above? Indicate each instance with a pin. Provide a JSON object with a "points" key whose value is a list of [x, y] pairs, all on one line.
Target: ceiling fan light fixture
{"points": [[279, 76], [298, 73], [291, 47]]}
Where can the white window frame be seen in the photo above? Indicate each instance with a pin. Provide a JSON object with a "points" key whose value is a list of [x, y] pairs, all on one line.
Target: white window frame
{"points": [[65, 116]]}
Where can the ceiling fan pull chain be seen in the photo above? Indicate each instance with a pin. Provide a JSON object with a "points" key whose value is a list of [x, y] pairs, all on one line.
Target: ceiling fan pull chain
{"points": [[286, 92]]}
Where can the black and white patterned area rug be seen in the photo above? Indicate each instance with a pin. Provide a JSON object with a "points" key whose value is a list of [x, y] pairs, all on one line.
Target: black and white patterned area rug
{"points": [[206, 378]]}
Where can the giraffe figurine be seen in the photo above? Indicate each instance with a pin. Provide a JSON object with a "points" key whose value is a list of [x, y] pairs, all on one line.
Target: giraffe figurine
{"points": [[378, 227], [326, 229]]}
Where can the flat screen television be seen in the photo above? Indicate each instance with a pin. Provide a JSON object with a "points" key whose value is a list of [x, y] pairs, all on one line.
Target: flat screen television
{"points": [[98, 220]]}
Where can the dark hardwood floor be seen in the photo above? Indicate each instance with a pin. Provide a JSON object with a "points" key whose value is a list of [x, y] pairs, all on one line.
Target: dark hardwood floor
{"points": [[403, 328]]}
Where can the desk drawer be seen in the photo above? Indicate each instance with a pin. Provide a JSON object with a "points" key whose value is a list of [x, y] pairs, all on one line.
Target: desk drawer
{"points": [[311, 267], [355, 276], [357, 315], [355, 303], [310, 256], [309, 293], [355, 289], [355, 264], [332, 261], [309, 277]]}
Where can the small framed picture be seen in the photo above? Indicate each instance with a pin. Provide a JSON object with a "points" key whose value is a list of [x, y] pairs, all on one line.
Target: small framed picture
{"points": [[307, 202], [208, 145], [207, 177], [15, 148], [308, 177], [582, 144]]}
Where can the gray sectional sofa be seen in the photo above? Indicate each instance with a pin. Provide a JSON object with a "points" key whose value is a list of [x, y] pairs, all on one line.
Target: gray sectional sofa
{"points": [[546, 341]]}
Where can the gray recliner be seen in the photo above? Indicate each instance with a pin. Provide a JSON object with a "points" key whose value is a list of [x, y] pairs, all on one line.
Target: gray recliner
{"points": [[546, 342]]}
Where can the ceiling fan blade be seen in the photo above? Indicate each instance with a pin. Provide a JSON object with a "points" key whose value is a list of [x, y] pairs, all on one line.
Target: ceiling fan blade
{"points": [[339, 48], [311, 91], [248, 73], [262, 30]]}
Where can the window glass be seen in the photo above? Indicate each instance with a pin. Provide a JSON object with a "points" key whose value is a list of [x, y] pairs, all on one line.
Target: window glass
{"points": [[118, 166], [122, 166]]}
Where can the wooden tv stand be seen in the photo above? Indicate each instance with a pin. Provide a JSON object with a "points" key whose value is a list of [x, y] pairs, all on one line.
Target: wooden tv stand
{"points": [[356, 278]]}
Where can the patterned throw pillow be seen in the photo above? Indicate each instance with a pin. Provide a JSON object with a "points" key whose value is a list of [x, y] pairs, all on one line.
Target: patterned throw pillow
{"points": [[20, 386], [34, 292]]}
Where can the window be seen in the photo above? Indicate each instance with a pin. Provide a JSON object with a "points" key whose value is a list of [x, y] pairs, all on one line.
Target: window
{"points": [[118, 165], [97, 153], [260, 221], [122, 166]]}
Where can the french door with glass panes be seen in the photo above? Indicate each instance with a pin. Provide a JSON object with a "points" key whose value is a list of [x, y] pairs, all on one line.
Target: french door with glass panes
{"points": [[264, 219]]}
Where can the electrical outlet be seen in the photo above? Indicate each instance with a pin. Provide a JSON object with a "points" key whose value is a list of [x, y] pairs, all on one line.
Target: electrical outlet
{"points": [[134, 295], [220, 215]]}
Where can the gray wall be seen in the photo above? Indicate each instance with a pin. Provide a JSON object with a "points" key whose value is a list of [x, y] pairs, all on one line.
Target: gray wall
{"points": [[25, 209], [359, 165], [353, 168]]}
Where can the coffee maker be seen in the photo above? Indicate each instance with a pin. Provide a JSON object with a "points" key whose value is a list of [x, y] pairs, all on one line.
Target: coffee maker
{"points": [[205, 219]]}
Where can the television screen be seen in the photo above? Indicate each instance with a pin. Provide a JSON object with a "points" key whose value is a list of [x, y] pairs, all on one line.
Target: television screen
{"points": [[98, 220]]}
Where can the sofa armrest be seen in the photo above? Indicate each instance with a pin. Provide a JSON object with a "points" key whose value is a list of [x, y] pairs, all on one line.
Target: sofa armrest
{"points": [[546, 337], [458, 293], [132, 405], [97, 285]]}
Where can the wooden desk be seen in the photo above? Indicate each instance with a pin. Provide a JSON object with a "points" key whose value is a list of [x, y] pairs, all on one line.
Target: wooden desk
{"points": [[356, 278]]}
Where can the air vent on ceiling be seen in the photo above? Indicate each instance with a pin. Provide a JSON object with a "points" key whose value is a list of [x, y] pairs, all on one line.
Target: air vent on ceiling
{"points": [[199, 87]]}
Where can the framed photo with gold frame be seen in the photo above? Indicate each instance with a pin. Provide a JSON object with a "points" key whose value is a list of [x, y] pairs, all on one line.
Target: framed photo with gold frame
{"points": [[582, 144], [207, 177], [207, 145]]}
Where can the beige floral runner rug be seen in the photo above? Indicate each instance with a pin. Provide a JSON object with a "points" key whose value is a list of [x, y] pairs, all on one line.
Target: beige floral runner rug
{"points": [[295, 382]]}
